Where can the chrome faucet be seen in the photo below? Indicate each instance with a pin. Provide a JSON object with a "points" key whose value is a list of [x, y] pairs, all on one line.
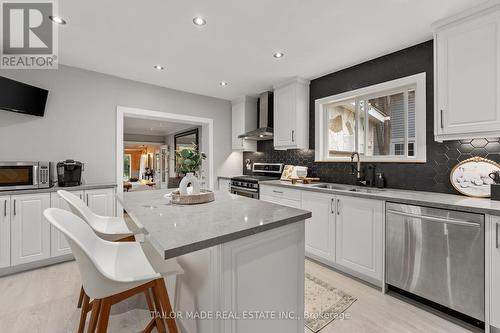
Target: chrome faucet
{"points": [[357, 170]]}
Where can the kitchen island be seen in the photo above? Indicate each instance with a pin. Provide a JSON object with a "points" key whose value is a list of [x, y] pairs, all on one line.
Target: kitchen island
{"points": [[243, 260]]}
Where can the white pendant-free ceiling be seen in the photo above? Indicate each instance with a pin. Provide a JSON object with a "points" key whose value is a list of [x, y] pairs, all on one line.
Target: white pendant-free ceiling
{"points": [[127, 38]]}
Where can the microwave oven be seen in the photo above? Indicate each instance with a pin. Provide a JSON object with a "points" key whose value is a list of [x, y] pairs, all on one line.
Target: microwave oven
{"points": [[24, 175]]}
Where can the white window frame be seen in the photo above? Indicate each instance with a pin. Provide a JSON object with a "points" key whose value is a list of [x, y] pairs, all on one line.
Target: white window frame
{"points": [[416, 81]]}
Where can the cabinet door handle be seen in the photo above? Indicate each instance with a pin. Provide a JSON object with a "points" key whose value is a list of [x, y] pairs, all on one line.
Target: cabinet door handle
{"points": [[441, 119], [338, 206], [332, 209], [14, 207], [496, 235], [87, 199], [81, 195], [277, 192], [293, 136], [5, 208]]}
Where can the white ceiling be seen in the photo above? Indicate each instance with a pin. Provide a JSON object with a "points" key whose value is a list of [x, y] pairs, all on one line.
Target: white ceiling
{"points": [[152, 127], [127, 37]]}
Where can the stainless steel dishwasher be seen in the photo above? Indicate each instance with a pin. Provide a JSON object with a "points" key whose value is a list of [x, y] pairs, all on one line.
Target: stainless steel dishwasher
{"points": [[438, 255]]}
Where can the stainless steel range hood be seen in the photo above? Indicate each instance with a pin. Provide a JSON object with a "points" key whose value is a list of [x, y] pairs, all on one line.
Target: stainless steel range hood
{"points": [[265, 119]]}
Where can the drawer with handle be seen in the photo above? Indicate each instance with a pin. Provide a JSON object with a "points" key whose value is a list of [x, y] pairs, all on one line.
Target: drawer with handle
{"points": [[280, 192]]}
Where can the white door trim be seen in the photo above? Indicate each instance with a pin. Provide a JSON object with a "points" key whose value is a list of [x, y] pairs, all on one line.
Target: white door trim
{"points": [[207, 125]]}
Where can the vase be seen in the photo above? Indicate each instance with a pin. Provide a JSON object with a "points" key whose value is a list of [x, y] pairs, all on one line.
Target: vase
{"points": [[190, 178]]}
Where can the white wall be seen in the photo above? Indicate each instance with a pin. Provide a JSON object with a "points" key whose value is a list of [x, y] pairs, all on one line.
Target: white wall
{"points": [[80, 120]]}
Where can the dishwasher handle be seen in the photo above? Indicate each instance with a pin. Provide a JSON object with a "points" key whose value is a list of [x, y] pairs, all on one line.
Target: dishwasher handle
{"points": [[435, 219]]}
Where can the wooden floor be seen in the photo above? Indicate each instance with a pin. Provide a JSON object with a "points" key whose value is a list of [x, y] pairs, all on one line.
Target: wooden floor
{"points": [[44, 300]]}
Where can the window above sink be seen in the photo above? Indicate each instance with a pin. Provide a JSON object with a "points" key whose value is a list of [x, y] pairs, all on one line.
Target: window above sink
{"points": [[383, 123]]}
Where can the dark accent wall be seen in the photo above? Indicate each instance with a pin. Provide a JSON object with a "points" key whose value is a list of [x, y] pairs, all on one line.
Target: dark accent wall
{"points": [[441, 157]]}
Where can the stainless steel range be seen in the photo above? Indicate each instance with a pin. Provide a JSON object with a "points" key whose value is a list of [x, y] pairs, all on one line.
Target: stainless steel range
{"points": [[248, 185]]}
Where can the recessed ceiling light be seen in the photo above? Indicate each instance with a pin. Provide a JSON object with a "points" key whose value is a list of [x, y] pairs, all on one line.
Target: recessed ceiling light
{"points": [[223, 83], [199, 21], [158, 67], [278, 55], [57, 19]]}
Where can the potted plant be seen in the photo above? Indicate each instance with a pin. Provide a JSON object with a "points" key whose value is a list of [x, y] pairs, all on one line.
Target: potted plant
{"points": [[189, 161]]}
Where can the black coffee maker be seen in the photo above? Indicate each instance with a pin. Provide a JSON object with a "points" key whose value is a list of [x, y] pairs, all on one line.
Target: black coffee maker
{"points": [[69, 173]]}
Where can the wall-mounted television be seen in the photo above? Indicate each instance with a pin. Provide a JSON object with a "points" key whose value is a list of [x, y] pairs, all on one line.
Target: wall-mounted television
{"points": [[20, 97]]}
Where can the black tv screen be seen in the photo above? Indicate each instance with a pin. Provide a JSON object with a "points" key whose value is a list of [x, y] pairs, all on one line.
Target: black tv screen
{"points": [[20, 97]]}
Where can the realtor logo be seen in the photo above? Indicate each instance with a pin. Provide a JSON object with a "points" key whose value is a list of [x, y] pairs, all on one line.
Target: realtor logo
{"points": [[28, 36]]}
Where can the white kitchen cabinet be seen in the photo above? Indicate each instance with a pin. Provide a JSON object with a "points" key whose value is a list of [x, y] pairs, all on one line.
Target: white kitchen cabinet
{"points": [[224, 184], [494, 269], [320, 229], [4, 231], [30, 232], [358, 243], [280, 195], [291, 114], [58, 244], [467, 75], [101, 202], [244, 119]]}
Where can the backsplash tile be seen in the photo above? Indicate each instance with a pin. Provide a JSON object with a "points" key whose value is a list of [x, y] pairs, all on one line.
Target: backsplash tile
{"points": [[441, 157], [431, 176]]}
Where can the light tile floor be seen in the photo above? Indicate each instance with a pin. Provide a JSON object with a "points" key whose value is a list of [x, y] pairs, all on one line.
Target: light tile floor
{"points": [[44, 300]]}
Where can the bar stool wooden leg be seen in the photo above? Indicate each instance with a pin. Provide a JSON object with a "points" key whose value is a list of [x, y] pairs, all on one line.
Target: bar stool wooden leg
{"points": [[161, 289], [80, 299], [155, 311], [160, 324], [102, 323], [83, 314], [96, 305]]}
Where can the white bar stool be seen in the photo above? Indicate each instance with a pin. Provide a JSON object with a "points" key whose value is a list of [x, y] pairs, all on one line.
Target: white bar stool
{"points": [[116, 229], [110, 228], [111, 271]]}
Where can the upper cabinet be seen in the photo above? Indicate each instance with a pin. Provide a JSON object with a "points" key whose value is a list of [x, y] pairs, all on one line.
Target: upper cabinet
{"points": [[291, 114], [467, 74], [244, 119]]}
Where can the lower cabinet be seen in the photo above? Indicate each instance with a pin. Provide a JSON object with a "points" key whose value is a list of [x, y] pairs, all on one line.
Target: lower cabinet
{"points": [[58, 244], [4, 231], [101, 201], [345, 232], [280, 195], [320, 228], [27, 237], [494, 271], [358, 241], [30, 232], [224, 184]]}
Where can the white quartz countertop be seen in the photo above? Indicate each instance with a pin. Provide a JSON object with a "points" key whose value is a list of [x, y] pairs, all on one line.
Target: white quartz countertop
{"points": [[179, 229], [421, 198], [89, 186]]}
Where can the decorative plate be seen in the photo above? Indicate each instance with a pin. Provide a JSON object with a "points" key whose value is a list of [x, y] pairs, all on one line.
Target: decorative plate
{"points": [[471, 177]]}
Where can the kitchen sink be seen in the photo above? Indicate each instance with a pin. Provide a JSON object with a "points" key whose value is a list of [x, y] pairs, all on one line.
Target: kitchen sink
{"points": [[333, 187], [347, 188]]}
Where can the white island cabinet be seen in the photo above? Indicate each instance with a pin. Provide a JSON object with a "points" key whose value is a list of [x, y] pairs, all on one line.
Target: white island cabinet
{"points": [[467, 75], [243, 258]]}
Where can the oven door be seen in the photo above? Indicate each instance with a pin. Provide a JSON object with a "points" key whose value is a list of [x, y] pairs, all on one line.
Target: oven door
{"points": [[245, 192], [18, 175]]}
